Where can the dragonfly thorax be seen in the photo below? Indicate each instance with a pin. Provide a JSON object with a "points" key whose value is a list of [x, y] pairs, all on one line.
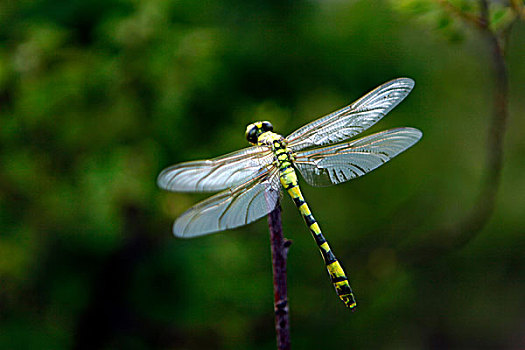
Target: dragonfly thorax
{"points": [[272, 140], [283, 156]]}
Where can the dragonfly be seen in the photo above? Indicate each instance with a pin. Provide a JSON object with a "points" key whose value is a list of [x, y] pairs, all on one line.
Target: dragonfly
{"points": [[250, 180]]}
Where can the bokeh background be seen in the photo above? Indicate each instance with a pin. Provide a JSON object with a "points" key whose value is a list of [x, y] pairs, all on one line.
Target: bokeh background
{"points": [[96, 97]]}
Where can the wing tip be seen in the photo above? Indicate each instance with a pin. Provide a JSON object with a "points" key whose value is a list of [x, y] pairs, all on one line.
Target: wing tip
{"points": [[409, 82], [416, 133], [178, 231], [162, 181]]}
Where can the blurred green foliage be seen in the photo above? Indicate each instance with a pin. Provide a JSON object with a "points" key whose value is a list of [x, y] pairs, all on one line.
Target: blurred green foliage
{"points": [[97, 96]]}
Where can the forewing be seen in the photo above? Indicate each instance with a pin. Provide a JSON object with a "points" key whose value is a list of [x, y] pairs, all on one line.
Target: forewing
{"points": [[216, 174], [353, 119], [335, 164], [231, 208]]}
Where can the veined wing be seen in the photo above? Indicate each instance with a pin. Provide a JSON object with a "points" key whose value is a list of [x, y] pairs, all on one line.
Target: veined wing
{"points": [[353, 119], [340, 163], [231, 208], [216, 174]]}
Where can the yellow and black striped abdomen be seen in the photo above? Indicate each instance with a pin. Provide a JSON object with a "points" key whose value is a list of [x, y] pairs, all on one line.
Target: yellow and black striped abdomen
{"points": [[337, 275], [288, 177]]}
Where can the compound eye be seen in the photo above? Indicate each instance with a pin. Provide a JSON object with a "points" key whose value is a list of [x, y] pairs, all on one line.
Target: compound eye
{"points": [[267, 126], [252, 135]]}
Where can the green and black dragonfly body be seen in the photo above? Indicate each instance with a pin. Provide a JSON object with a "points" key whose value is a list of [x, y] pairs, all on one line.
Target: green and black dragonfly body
{"points": [[252, 178]]}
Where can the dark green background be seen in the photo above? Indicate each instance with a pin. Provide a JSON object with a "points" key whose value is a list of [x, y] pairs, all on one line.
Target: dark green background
{"points": [[96, 97]]}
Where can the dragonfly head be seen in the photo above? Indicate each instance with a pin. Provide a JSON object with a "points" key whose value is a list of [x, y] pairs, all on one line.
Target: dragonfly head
{"points": [[254, 130]]}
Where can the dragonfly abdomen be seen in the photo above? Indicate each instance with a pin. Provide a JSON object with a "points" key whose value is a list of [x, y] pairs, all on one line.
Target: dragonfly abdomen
{"points": [[337, 275]]}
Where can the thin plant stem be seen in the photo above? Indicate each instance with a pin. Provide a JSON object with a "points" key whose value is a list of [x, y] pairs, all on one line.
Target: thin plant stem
{"points": [[279, 247]]}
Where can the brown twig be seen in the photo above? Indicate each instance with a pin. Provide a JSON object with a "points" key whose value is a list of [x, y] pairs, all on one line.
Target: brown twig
{"points": [[467, 17], [279, 252], [518, 7], [462, 232]]}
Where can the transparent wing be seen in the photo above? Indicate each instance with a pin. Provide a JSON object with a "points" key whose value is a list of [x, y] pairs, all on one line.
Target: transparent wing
{"points": [[335, 164], [353, 119], [216, 174], [231, 208]]}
